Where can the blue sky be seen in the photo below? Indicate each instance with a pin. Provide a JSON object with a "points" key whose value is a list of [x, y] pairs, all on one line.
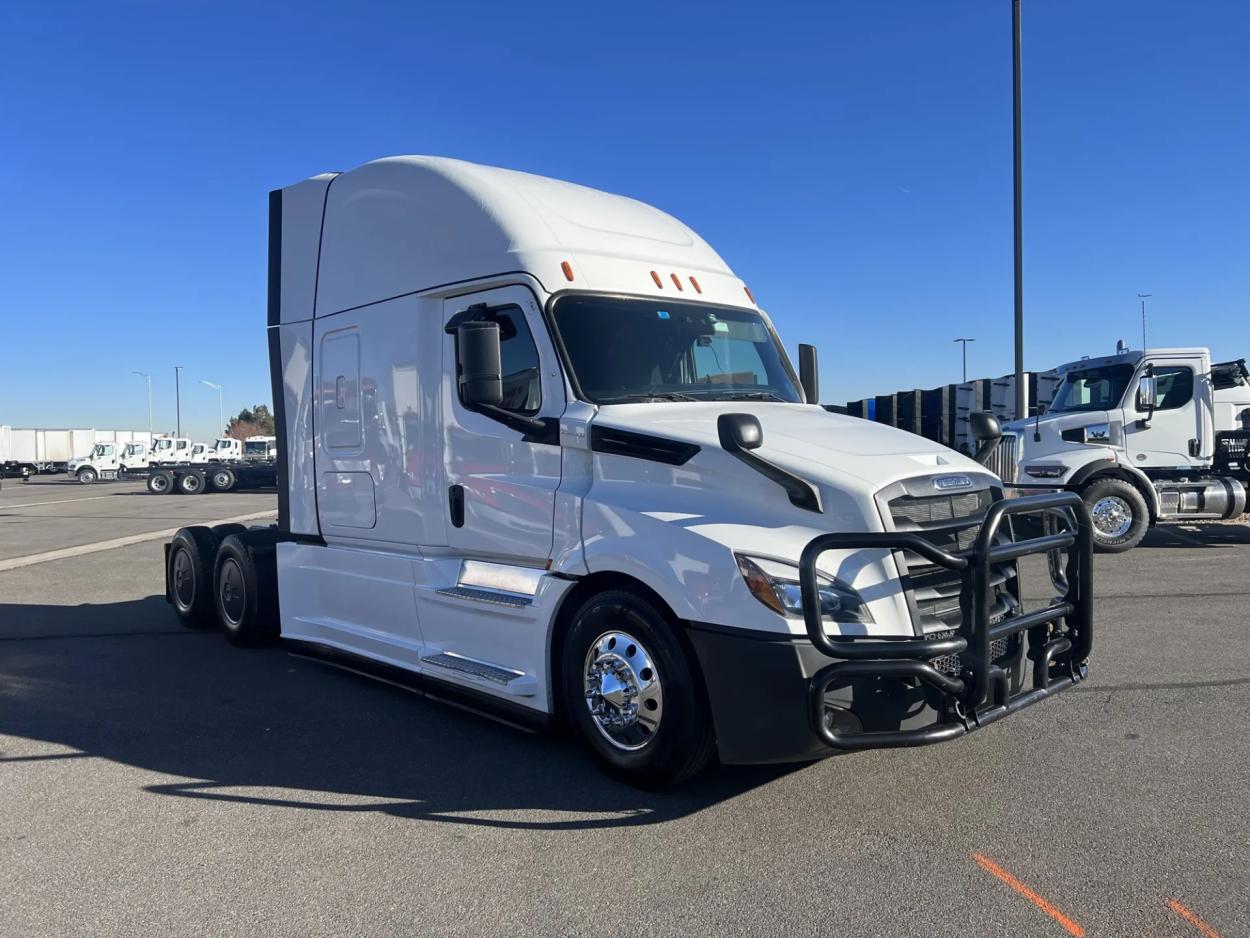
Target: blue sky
{"points": [[852, 161]]}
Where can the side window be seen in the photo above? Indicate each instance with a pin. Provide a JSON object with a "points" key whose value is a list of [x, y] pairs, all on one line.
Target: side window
{"points": [[518, 360], [1174, 387], [340, 391], [106, 450]]}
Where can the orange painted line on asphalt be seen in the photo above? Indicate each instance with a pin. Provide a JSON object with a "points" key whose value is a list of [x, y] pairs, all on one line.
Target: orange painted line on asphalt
{"points": [[1204, 929], [1048, 907]]}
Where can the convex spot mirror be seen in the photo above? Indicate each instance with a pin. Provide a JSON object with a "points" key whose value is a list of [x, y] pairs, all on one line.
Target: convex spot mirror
{"points": [[740, 431], [477, 360], [984, 426]]}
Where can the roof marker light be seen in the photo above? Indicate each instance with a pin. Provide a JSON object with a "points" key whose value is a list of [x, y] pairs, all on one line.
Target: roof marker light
{"points": [[747, 291], [677, 283], [568, 271], [694, 283], [658, 282]]}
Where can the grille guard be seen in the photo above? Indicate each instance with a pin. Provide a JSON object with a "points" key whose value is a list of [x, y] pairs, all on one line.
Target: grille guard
{"points": [[979, 695]]}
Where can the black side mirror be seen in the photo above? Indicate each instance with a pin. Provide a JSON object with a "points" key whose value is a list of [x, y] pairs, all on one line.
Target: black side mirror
{"points": [[477, 357], [987, 433], [809, 374], [739, 432]]}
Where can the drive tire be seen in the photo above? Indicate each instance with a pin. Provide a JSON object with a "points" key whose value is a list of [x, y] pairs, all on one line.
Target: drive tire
{"points": [[683, 743], [189, 573], [191, 483], [245, 592], [160, 482], [87, 475], [1119, 515], [222, 479]]}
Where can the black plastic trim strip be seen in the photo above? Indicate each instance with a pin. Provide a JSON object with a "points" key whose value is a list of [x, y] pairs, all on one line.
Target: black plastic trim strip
{"points": [[275, 257], [641, 446], [513, 714], [279, 426]]}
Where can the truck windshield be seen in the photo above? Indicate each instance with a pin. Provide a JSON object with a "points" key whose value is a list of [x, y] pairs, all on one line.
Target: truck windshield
{"points": [[1092, 389], [627, 350]]}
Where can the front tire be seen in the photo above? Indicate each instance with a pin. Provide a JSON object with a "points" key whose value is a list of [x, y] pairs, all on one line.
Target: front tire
{"points": [[1119, 514], [87, 475], [632, 693]]}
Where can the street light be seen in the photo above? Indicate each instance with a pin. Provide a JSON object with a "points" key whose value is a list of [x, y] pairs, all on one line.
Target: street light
{"points": [[221, 420], [965, 342], [144, 374], [1018, 200], [1143, 297], [178, 398]]}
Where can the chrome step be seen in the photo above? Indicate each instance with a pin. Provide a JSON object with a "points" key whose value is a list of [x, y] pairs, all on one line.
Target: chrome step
{"points": [[490, 672], [486, 596]]}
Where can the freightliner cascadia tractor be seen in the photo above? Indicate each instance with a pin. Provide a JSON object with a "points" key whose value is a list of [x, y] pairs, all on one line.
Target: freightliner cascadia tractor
{"points": [[541, 452]]}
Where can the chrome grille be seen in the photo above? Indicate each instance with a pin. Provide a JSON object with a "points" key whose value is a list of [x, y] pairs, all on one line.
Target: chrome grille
{"points": [[1003, 461]]}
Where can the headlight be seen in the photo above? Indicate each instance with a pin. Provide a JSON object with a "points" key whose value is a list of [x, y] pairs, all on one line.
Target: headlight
{"points": [[1045, 472], [776, 584]]}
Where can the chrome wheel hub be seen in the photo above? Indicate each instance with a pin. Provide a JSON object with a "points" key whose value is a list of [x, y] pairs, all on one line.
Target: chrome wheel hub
{"points": [[1112, 516], [623, 690]]}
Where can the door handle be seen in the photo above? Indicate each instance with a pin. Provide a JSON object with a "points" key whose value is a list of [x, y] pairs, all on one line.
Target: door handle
{"points": [[455, 505]]}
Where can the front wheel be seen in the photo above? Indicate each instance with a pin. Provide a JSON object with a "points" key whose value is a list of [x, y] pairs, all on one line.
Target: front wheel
{"points": [[1119, 514], [87, 475], [632, 694]]}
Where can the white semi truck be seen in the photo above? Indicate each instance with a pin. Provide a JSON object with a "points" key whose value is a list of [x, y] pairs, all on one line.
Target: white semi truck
{"points": [[1144, 437], [540, 452]]}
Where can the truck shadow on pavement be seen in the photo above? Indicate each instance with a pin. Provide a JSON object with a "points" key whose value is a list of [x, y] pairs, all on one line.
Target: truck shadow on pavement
{"points": [[1196, 535], [121, 681]]}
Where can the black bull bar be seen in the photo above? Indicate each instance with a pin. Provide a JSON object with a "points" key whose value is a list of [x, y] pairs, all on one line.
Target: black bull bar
{"points": [[979, 694]]}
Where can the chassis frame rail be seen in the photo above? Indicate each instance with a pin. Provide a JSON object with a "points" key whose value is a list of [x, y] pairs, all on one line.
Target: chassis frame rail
{"points": [[980, 694]]}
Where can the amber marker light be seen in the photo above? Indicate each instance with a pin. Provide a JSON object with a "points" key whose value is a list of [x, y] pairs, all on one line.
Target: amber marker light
{"points": [[747, 291], [568, 271], [658, 282], [694, 283], [677, 283]]}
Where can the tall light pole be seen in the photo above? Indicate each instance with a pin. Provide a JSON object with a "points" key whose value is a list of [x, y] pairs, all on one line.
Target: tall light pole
{"points": [[221, 420], [1143, 297], [178, 398], [144, 374], [1017, 149], [965, 342]]}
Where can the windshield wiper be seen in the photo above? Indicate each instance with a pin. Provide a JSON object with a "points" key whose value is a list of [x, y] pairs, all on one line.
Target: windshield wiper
{"points": [[749, 396], [649, 396]]}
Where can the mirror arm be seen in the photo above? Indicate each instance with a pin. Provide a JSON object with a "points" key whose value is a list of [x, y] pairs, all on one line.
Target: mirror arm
{"points": [[508, 417]]}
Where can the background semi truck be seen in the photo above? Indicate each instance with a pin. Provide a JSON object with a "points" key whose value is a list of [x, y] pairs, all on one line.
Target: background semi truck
{"points": [[541, 453], [1145, 437]]}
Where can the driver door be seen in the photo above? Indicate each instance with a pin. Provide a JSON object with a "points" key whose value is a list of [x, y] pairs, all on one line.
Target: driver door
{"points": [[502, 478], [1166, 442]]}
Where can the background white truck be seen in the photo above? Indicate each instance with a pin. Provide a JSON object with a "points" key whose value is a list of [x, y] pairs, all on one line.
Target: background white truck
{"points": [[50, 450], [1144, 437], [540, 452]]}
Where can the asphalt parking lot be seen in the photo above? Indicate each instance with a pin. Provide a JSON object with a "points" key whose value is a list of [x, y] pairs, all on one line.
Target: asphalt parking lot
{"points": [[159, 781]]}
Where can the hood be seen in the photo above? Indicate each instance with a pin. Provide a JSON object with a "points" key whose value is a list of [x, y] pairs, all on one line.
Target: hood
{"points": [[1050, 429], [806, 439]]}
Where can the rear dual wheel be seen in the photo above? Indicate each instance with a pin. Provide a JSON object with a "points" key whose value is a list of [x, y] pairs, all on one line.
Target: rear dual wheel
{"points": [[216, 576], [221, 479], [161, 482]]}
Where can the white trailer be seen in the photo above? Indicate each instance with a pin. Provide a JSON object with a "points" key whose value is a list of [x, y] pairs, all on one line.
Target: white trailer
{"points": [[50, 450], [540, 452], [1145, 437]]}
